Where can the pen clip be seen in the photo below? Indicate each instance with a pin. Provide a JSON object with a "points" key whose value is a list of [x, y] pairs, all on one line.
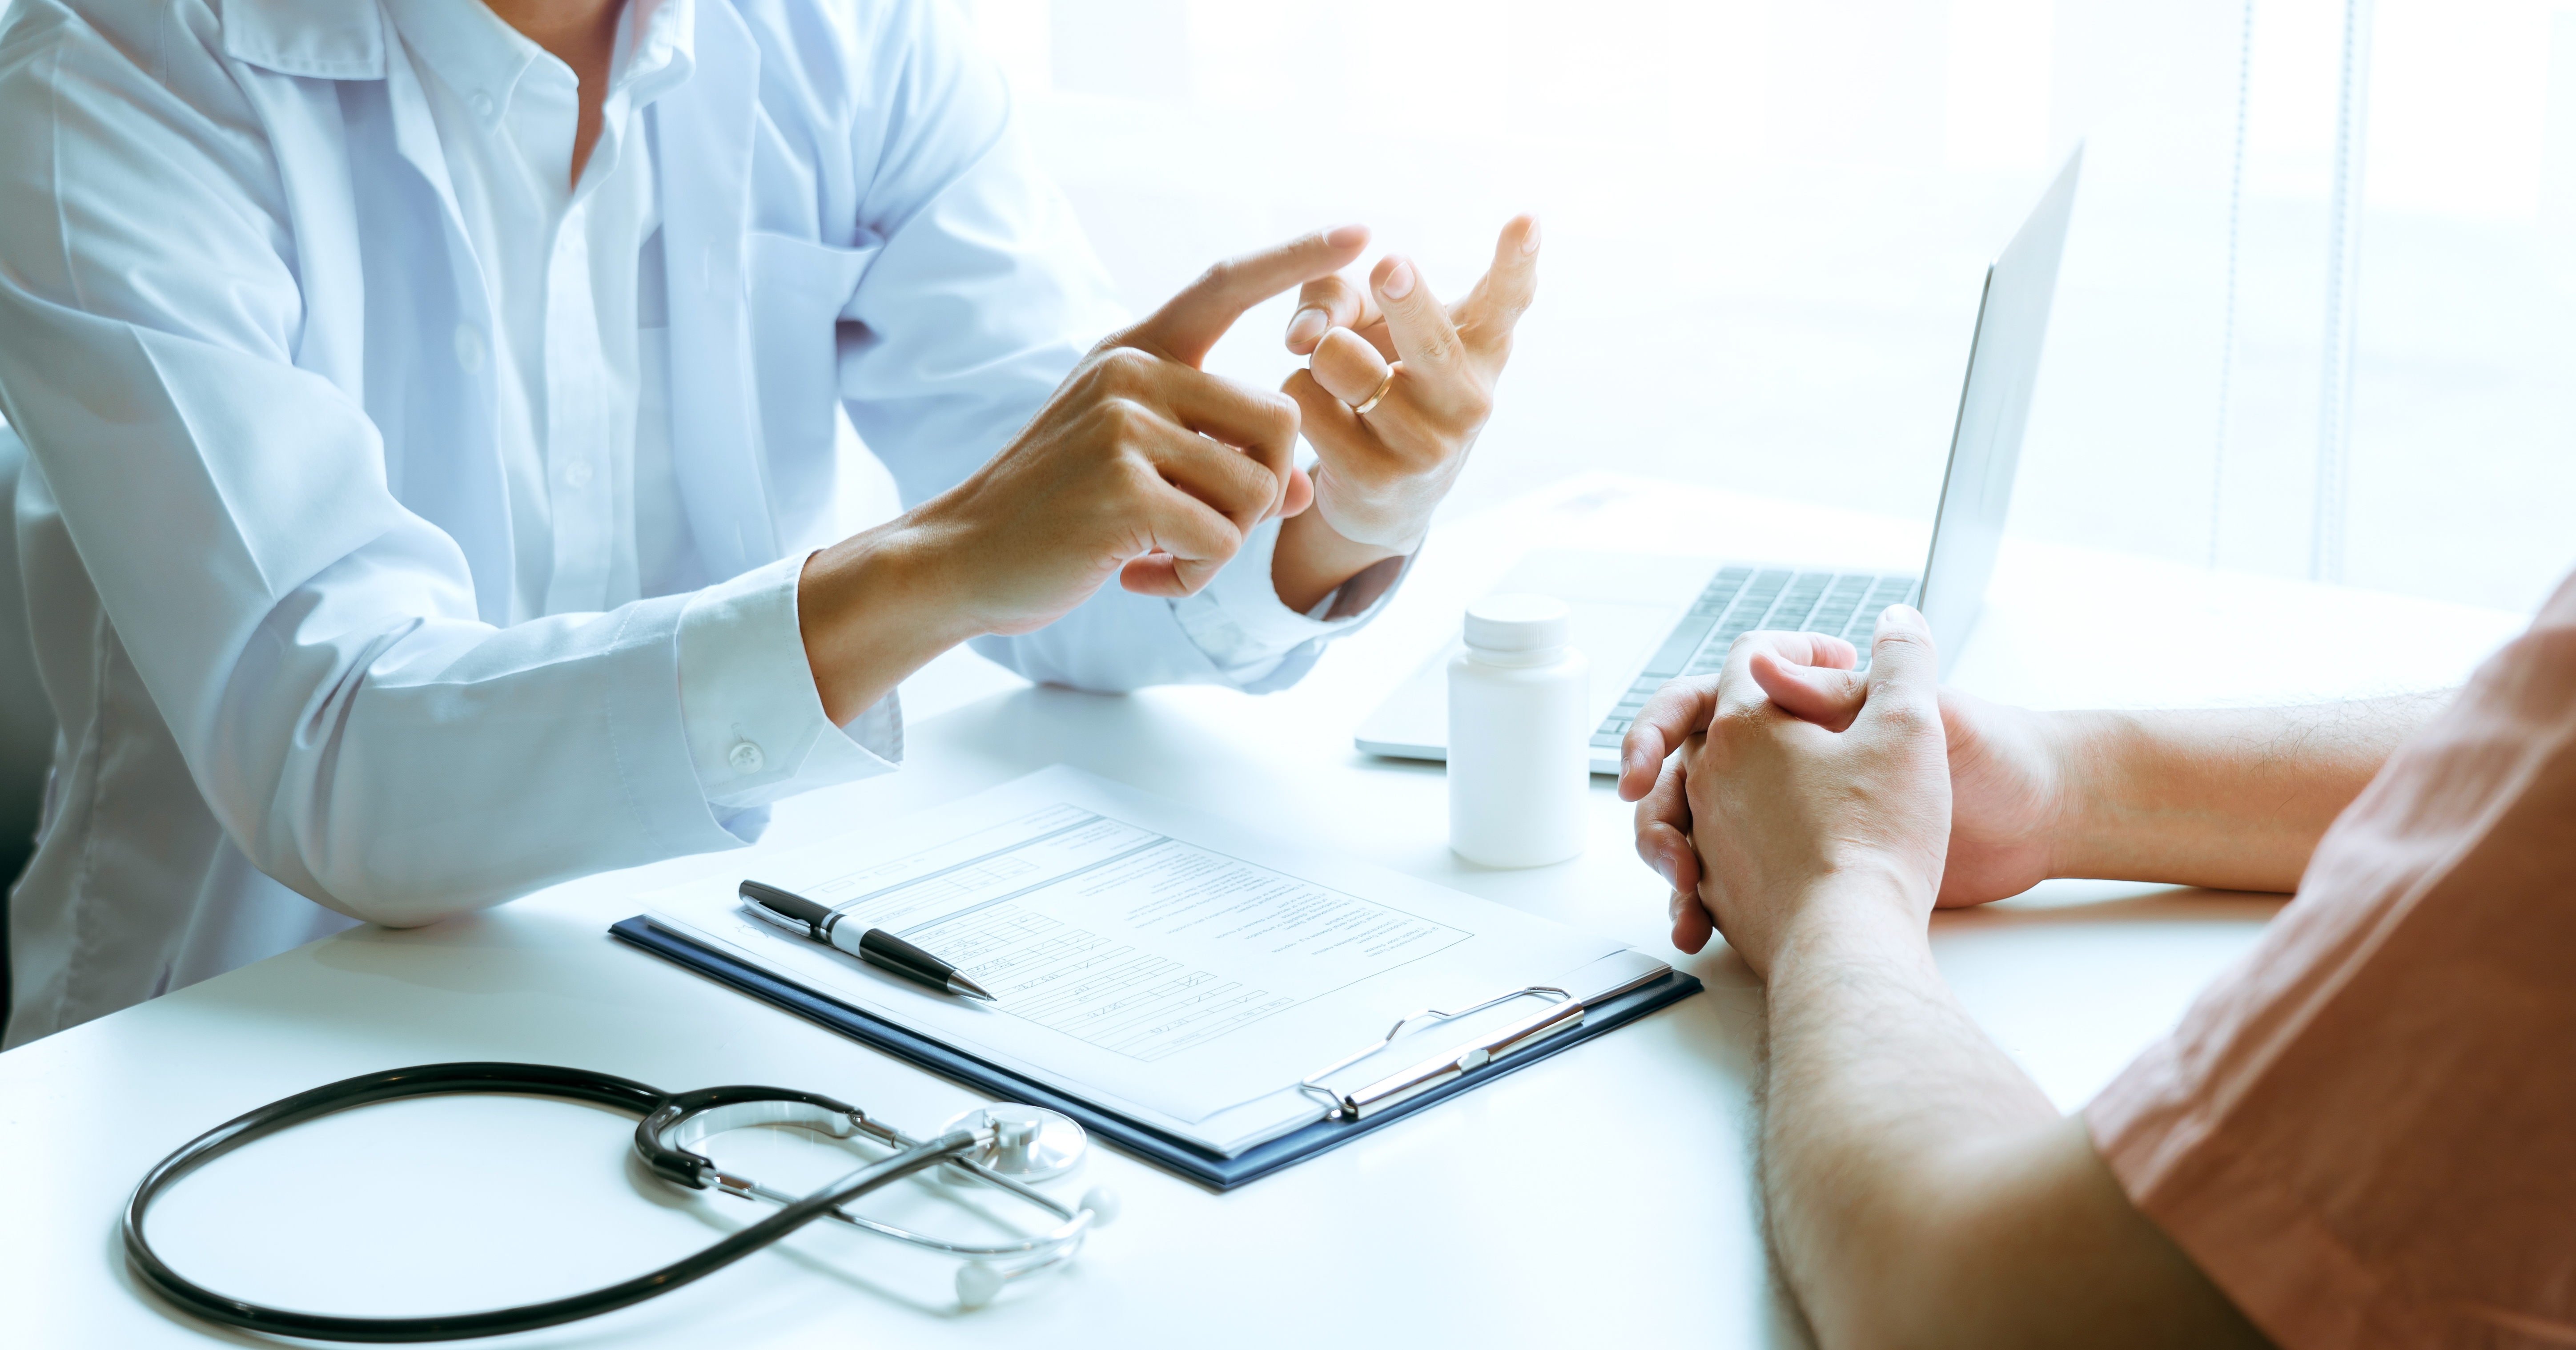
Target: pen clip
{"points": [[1561, 1014], [787, 909]]}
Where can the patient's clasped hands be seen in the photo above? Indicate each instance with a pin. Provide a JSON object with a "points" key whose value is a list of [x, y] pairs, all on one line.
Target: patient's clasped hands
{"points": [[1787, 753], [1769, 824]]}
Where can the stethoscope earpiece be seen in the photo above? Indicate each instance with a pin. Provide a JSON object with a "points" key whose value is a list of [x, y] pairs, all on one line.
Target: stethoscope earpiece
{"points": [[979, 1283]]}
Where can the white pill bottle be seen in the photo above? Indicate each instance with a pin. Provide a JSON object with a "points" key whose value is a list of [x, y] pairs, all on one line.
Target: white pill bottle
{"points": [[1519, 753]]}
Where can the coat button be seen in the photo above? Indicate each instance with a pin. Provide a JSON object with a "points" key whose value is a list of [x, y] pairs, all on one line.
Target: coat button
{"points": [[745, 757], [469, 348]]}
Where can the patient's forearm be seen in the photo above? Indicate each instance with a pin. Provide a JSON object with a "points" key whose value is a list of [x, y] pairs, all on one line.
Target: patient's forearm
{"points": [[1873, 1073], [2232, 798], [1922, 1191]]}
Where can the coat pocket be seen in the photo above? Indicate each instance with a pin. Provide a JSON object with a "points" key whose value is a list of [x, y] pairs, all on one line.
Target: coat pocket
{"points": [[798, 289]]}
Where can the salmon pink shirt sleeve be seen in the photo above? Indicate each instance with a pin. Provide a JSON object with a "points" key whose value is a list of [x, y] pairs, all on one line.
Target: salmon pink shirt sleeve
{"points": [[2366, 1134]]}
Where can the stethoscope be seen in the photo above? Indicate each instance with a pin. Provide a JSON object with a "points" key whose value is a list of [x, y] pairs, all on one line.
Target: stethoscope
{"points": [[1003, 1146]]}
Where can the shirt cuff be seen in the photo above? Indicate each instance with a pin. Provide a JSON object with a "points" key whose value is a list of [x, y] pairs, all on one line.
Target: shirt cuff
{"points": [[754, 719], [1239, 621]]}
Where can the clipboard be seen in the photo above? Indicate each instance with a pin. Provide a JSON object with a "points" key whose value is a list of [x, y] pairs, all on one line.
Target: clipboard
{"points": [[1548, 1031]]}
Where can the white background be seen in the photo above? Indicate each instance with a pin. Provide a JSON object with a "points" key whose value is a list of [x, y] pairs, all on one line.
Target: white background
{"points": [[1766, 221]]}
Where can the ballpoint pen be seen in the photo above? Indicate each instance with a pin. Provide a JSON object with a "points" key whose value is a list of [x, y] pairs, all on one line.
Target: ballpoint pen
{"points": [[875, 946]]}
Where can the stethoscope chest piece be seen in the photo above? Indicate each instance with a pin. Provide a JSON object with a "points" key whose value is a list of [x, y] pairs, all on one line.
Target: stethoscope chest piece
{"points": [[1030, 1143]]}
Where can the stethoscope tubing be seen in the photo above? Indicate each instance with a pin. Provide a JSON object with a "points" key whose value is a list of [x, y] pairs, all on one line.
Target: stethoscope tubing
{"points": [[437, 1079]]}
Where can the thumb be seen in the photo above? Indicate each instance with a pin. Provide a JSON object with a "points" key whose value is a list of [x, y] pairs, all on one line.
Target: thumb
{"points": [[1301, 493], [1819, 694], [1189, 324], [1903, 668]]}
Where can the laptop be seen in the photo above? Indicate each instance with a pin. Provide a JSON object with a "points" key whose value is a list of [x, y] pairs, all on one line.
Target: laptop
{"points": [[1642, 624]]}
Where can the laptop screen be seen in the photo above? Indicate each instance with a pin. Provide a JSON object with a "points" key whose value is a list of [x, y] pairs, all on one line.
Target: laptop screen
{"points": [[1985, 446]]}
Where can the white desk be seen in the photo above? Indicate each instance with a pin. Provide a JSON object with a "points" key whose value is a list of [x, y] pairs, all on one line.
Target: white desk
{"points": [[1597, 1199]]}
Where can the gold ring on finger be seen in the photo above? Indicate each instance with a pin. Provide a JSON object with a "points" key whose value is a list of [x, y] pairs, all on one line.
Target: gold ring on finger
{"points": [[1380, 396]]}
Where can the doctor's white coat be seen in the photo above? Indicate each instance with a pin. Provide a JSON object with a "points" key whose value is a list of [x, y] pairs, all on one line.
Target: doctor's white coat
{"points": [[266, 539]]}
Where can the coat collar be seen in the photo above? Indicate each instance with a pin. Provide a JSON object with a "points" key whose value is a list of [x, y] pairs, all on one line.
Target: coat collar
{"points": [[320, 39]]}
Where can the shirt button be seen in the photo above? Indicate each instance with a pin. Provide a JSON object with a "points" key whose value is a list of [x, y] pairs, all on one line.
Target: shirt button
{"points": [[745, 757], [483, 105], [577, 475], [469, 347]]}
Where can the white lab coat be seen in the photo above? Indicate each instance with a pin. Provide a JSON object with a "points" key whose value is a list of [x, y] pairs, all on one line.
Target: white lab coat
{"points": [[267, 545]]}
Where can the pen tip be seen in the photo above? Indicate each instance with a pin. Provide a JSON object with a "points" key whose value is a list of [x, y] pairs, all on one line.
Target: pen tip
{"points": [[969, 988]]}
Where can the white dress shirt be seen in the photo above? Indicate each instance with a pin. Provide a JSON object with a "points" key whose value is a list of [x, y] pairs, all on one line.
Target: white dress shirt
{"points": [[408, 526], [595, 514]]}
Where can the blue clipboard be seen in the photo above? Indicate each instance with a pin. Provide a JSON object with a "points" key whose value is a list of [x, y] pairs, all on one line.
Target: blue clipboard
{"points": [[1127, 1136]]}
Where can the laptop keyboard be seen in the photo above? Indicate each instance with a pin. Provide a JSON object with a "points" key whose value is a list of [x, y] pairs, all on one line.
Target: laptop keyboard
{"points": [[1740, 600]]}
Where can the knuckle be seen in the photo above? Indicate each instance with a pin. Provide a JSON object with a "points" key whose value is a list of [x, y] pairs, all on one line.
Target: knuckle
{"points": [[1136, 476], [1476, 404], [1126, 420], [1908, 717], [1281, 412], [1126, 368], [1330, 292]]}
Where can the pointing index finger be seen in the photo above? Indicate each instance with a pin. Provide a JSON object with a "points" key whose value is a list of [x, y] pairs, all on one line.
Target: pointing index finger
{"points": [[1189, 324]]}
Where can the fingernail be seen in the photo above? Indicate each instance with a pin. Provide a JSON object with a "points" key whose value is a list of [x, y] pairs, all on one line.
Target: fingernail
{"points": [[1907, 615], [1399, 281], [1308, 327], [1673, 907], [1529, 241], [1346, 236]]}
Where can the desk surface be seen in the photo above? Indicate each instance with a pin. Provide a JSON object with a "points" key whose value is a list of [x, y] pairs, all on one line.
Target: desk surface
{"points": [[1604, 1195]]}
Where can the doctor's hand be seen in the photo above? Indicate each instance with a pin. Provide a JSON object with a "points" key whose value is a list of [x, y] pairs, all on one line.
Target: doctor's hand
{"points": [[1792, 824], [2009, 776], [1140, 467], [1396, 387]]}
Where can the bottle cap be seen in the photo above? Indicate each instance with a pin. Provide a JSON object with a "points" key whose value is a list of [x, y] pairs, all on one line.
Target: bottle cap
{"points": [[1519, 623]]}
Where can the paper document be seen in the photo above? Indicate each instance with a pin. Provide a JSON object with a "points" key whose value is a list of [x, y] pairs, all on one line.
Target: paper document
{"points": [[1164, 964]]}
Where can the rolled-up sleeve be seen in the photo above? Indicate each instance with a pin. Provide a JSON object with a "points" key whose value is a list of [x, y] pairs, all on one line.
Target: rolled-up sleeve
{"points": [[756, 727], [1252, 636], [2361, 1133]]}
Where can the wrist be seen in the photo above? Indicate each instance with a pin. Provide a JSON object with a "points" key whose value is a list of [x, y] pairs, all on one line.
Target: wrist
{"points": [[1852, 913], [1313, 560], [874, 608], [1813, 948], [2088, 753], [1394, 516]]}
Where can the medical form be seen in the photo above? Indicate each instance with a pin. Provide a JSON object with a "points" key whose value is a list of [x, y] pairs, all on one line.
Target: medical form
{"points": [[1176, 967]]}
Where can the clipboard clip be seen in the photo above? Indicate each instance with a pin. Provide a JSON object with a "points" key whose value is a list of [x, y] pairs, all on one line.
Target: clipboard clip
{"points": [[1562, 1013]]}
